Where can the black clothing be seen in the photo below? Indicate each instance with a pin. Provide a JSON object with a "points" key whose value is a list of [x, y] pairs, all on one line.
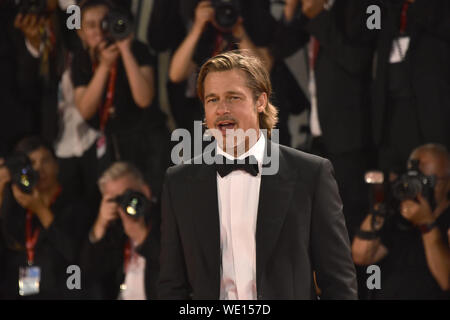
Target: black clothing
{"points": [[425, 71], [300, 228], [168, 28], [133, 134], [405, 272], [127, 114], [57, 247], [103, 262]]}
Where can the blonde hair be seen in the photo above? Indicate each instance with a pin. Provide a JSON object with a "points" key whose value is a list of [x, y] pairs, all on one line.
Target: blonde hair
{"points": [[118, 170], [258, 80]]}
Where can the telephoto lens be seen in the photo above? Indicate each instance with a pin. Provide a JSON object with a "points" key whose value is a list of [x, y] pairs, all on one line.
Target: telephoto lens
{"points": [[413, 183], [227, 13], [22, 173], [117, 25], [134, 203]]}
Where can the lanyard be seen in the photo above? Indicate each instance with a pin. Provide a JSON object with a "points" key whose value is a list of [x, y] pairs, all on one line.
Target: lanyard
{"points": [[105, 109], [404, 17], [314, 47], [128, 254], [32, 237]]}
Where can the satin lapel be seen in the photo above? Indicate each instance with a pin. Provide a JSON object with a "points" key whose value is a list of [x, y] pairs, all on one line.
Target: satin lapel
{"points": [[274, 199]]}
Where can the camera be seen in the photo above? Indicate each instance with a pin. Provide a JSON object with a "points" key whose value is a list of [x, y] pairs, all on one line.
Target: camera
{"points": [[414, 182], [227, 12], [386, 196], [133, 203], [22, 173], [117, 25], [32, 6]]}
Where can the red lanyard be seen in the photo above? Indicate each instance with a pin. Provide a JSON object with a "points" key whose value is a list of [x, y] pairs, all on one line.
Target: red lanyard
{"points": [[404, 17], [105, 109], [32, 237], [128, 254], [313, 52]]}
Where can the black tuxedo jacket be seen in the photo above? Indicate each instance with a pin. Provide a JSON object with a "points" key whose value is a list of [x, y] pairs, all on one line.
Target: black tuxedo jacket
{"points": [[300, 229]]}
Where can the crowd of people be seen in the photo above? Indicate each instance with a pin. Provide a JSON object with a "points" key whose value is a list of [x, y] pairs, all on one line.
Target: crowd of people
{"points": [[85, 145]]}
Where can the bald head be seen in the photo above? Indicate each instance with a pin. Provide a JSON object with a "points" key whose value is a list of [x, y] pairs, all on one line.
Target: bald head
{"points": [[434, 160]]}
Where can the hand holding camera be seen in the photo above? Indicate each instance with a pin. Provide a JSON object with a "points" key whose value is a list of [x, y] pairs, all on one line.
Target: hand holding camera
{"points": [[107, 214], [31, 24], [418, 213], [132, 207], [107, 54], [312, 8], [204, 13], [32, 202]]}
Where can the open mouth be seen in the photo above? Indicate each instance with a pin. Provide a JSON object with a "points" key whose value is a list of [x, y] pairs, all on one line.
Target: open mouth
{"points": [[223, 126]]}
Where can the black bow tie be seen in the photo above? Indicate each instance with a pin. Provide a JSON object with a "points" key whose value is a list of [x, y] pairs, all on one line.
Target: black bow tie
{"points": [[225, 166]]}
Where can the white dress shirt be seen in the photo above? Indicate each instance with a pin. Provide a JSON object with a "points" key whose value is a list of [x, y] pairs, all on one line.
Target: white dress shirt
{"points": [[134, 286], [238, 196]]}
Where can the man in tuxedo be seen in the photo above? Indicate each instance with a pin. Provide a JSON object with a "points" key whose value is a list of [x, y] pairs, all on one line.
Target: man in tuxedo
{"points": [[235, 231]]}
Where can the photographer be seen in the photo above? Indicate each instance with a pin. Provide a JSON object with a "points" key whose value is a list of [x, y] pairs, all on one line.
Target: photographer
{"points": [[411, 245], [121, 256], [41, 225], [210, 29], [114, 91]]}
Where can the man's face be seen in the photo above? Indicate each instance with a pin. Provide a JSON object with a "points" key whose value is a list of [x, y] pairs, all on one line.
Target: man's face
{"points": [[91, 25], [45, 164], [229, 103], [432, 165]]}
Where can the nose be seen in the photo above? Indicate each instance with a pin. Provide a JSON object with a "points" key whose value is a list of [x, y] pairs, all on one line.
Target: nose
{"points": [[223, 108]]}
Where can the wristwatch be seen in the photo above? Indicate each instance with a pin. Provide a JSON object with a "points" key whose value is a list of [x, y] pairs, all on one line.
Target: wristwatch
{"points": [[427, 227]]}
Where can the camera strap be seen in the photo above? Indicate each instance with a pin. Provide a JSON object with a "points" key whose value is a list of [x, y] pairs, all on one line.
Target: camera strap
{"points": [[106, 108], [128, 254], [404, 17], [31, 237]]}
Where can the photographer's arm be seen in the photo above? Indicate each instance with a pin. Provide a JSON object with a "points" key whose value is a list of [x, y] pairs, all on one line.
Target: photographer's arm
{"points": [[4, 179], [245, 43], [88, 98], [140, 78], [436, 250], [438, 257], [182, 64], [365, 251]]}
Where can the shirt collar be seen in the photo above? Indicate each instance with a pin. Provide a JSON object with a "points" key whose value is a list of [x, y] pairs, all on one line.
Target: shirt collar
{"points": [[257, 150]]}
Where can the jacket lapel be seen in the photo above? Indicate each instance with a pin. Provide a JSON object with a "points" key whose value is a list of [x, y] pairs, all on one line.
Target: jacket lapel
{"points": [[274, 199], [206, 223]]}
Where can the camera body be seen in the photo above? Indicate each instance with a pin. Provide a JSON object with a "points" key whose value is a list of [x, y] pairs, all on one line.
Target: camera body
{"points": [[32, 6], [22, 173], [227, 12], [414, 182], [133, 203], [386, 196], [117, 25]]}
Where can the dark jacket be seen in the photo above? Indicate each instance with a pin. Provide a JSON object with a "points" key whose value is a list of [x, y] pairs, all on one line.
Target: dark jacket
{"points": [[300, 229]]}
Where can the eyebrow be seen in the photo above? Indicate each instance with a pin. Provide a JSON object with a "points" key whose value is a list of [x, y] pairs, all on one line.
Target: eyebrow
{"points": [[228, 93]]}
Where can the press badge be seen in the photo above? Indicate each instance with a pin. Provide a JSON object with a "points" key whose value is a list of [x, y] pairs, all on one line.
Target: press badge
{"points": [[400, 47], [29, 280], [101, 146]]}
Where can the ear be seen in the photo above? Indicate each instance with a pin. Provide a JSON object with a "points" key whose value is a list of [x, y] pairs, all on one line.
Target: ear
{"points": [[261, 103], [147, 191]]}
